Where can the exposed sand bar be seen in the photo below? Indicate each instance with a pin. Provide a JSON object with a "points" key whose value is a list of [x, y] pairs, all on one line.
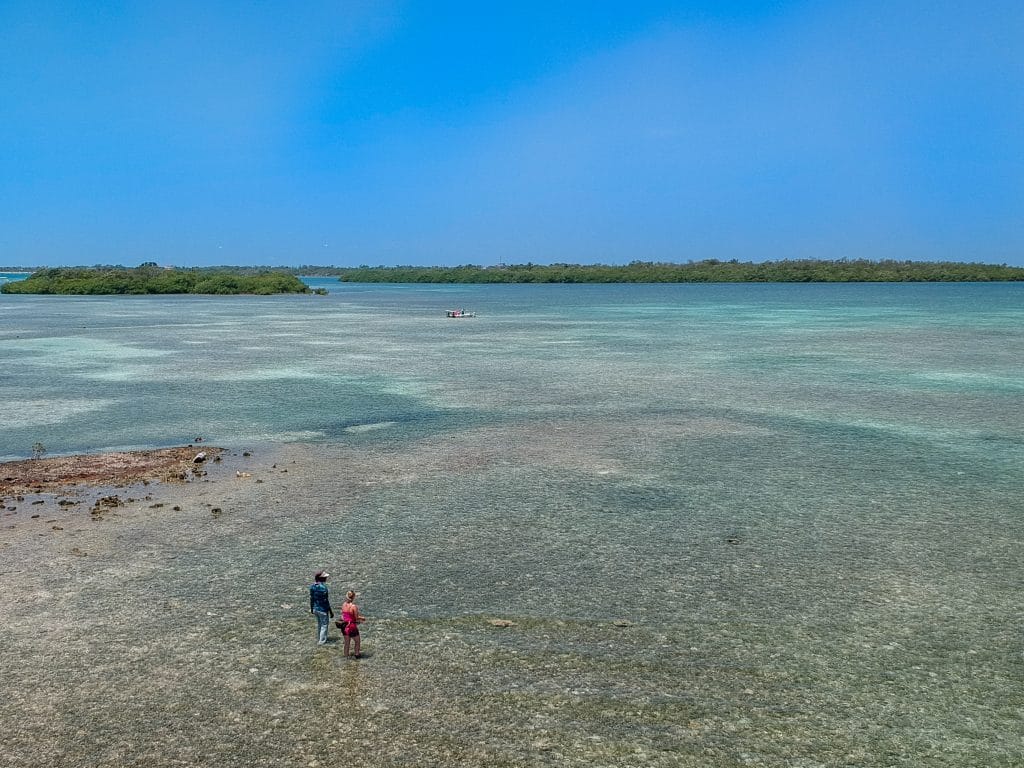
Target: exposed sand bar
{"points": [[58, 473]]}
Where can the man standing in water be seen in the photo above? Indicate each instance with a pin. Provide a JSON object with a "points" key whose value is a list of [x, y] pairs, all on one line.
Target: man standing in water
{"points": [[320, 605]]}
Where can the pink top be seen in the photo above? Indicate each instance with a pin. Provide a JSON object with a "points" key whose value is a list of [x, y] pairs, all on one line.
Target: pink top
{"points": [[350, 612]]}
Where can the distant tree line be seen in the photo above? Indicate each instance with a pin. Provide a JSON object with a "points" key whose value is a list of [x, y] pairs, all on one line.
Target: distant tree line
{"points": [[707, 271], [151, 279]]}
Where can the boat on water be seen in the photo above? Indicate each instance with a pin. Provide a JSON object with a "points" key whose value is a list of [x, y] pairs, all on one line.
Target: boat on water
{"points": [[459, 313]]}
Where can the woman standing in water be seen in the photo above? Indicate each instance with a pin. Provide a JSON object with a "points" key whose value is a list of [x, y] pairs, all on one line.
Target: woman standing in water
{"points": [[350, 621]]}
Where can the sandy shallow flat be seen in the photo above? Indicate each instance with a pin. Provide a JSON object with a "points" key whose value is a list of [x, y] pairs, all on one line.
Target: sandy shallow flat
{"points": [[171, 628]]}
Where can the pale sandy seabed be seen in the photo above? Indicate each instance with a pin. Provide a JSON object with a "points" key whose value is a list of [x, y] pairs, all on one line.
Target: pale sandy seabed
{"points": [[156, 636]]}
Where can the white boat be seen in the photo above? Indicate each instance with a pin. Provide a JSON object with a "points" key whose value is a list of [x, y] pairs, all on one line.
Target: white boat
{"points": [[459, 313]]}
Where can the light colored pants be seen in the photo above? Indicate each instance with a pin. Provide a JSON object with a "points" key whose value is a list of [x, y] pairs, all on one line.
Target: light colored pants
{"points": [[322, 622]]}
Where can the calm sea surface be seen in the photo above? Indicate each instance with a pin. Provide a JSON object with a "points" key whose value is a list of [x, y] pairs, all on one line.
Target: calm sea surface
{"points": [[933, 371], [805, 500]]}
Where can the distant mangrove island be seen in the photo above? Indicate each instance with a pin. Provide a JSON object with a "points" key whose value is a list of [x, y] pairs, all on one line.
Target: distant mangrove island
{"points": [[152, 279], [707, 271]]}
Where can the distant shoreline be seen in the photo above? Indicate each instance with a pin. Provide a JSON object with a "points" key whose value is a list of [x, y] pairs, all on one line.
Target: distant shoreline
{"points": [[706, 271], [151, 279]]}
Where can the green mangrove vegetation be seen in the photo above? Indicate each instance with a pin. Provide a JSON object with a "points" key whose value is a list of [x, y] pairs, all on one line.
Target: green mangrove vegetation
{"points": [[151, 279], [707, 271]]}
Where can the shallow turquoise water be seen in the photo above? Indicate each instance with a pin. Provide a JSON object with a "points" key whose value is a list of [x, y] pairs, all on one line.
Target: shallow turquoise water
{"points": [[936, 364], [805, 499]]}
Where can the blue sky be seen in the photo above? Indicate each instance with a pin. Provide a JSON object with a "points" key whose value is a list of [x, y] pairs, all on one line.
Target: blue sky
{"points": [[465, 132]]}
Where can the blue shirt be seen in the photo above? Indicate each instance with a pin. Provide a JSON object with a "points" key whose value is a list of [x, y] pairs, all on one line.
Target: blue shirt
{"points": [[318, 600]]}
